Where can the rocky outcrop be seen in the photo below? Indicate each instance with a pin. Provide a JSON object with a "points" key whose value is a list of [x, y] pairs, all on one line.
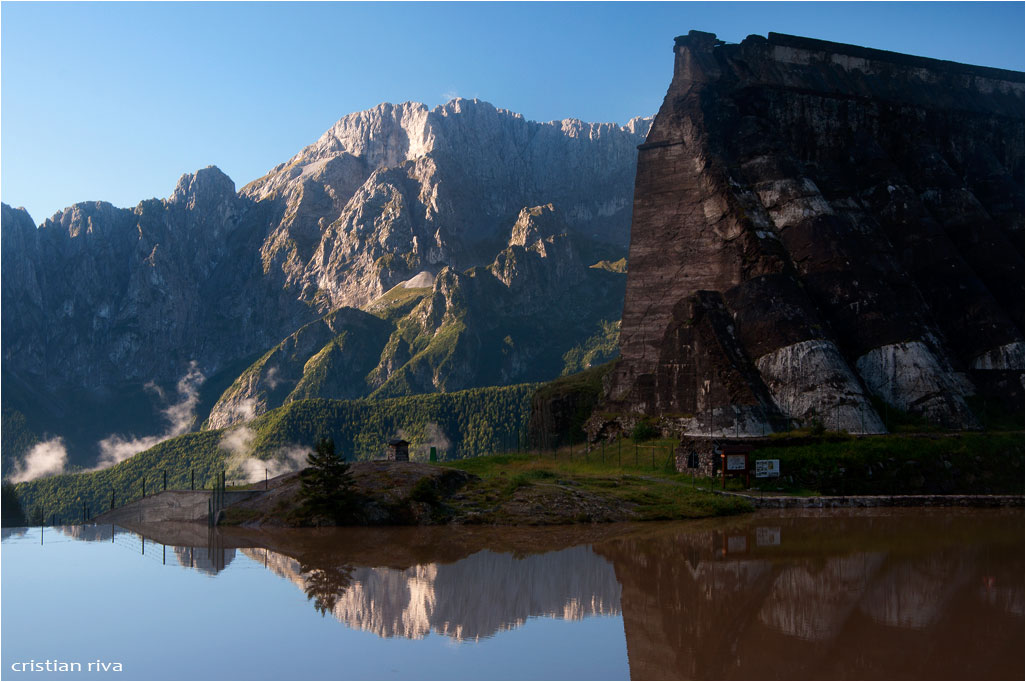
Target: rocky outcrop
{"points": [[812, 232]]}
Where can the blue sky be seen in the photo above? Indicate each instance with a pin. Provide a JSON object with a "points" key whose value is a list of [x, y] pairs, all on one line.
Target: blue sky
{"points": [[115, 101]]}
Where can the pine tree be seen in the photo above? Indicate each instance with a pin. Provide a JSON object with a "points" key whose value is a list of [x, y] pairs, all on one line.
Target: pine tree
{"points": [[326, 488], [11, 514]]}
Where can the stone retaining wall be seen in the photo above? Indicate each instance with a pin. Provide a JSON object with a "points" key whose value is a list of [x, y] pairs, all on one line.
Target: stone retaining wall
{"points": [[854, 501]]}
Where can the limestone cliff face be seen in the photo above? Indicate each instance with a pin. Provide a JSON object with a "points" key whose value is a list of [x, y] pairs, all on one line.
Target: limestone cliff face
{"points": [[99, 296], [387, 193], [817, 224]]}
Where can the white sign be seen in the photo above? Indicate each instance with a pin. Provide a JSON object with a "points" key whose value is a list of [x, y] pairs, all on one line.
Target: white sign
{"points": [[735, 462], [765, 468]]}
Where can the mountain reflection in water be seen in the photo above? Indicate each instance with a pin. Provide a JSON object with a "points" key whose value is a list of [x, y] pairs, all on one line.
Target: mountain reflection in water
{"points": [[869, 594]]}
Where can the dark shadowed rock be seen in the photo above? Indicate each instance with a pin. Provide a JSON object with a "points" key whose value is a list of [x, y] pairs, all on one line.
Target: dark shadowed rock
{"points": [[817, 224]]}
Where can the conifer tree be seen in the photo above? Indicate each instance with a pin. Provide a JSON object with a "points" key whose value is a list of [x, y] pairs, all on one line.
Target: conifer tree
{"points": [[326, 492]]}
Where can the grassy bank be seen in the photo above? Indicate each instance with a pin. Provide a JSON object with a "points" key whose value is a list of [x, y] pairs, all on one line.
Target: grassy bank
{"points": [[649, 492], [934, 463]]}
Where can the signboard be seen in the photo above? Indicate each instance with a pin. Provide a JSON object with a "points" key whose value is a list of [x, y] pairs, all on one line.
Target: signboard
{"points": [[767, 468], [736, 462]]}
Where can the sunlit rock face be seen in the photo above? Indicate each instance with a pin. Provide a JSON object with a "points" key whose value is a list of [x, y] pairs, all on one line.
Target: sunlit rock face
{"points": [[816, 224], [472, 598], [392, 191]]}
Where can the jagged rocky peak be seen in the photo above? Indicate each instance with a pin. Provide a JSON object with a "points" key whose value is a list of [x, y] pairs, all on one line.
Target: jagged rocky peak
{"points": [[206, 187], [785, 268], [535, 224], [15, 221]]}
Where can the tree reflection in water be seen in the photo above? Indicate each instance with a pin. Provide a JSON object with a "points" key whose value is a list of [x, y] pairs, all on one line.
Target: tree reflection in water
{"points": [[325, 585]]}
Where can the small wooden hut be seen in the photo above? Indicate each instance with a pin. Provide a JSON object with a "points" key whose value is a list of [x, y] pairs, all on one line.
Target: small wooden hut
{"points": [[398, 450]]}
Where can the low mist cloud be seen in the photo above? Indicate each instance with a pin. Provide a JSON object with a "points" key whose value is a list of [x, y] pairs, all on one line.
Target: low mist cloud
{"points": [[242, 465], [244, 410], [272, 379], [43, 459], [179, 416], [433, 436]]}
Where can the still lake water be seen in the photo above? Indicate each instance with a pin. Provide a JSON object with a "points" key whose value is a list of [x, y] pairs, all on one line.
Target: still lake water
{"points": [[888, 594]]}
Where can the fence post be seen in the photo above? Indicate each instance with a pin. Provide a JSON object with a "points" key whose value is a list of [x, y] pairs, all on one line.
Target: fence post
{"points": [[112, 498], [144, 486], [165, 479], [192, 479]]}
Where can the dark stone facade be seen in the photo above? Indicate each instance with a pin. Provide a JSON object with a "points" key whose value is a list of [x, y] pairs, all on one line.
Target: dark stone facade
{"points": [[820, 227]]}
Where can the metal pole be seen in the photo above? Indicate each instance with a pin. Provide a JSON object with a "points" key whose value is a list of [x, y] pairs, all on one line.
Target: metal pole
{"points": [[165, 479], [192, 479], [112, 498]]}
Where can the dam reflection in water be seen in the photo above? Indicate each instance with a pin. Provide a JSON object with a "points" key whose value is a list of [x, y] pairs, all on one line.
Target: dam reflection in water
{"points": [[874, 594]]}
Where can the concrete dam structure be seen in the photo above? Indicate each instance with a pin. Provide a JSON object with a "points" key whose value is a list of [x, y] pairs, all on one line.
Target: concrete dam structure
{"points": [[823, 232]]}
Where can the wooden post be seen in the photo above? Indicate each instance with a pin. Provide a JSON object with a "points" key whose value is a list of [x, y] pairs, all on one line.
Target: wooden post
{"points": [[112, 498], [192, 479], [265, 479], [144, 486], [165, 479]]}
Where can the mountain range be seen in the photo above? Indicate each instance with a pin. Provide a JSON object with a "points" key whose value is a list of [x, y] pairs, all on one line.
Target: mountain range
{"points": [[408, 250]]}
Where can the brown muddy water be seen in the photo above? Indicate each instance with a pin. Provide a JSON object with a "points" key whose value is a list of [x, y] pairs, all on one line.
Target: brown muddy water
{"points": [[866, 594]]}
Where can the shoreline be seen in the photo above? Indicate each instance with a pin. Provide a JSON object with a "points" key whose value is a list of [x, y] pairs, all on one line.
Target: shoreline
{"points": [[871, 501]]}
